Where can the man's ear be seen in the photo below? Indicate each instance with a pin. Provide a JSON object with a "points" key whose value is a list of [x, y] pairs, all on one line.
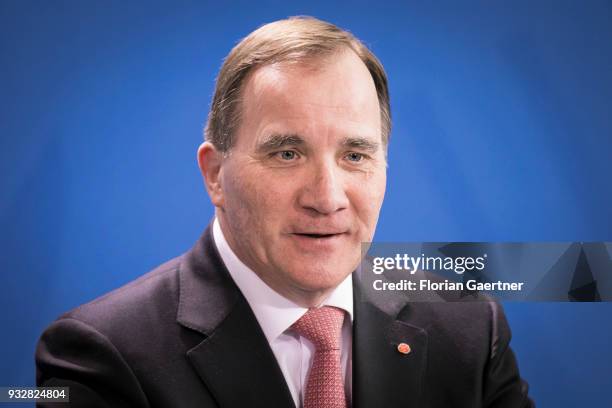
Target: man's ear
{"points": [[210, 161]]}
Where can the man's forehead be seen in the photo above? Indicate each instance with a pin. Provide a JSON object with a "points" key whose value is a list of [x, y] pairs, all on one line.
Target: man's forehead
{"points": [[324, 104], [333, 75], [309, 64]]}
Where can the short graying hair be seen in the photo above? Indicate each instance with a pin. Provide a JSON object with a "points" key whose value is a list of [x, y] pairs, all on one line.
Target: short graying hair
{"points": [[292, 39]]}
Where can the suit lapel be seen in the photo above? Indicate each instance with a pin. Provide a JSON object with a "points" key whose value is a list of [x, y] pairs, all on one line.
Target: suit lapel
{"points": [[238, 366], [234, 360], [382, 376]]}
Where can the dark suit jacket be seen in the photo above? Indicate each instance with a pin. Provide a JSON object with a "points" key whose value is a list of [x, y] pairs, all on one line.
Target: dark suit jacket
{"points": [[184, 336]]}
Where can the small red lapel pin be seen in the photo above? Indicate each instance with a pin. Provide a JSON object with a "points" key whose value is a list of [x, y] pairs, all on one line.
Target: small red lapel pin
{"points": [[404, 348]]}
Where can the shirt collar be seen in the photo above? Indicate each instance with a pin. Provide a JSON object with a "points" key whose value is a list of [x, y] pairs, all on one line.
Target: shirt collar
{"points": [[274, 312]]}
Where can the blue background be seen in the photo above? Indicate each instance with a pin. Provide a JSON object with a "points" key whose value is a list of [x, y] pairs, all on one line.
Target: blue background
{"points": [[502, 132]]}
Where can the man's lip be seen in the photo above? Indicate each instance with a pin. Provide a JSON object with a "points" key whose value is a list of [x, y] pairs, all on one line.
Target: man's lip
{"points": [[314, 242], [318, 234]]}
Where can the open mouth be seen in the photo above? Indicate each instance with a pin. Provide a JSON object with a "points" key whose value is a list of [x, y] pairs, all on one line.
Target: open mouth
{"points": [[318, 235]]}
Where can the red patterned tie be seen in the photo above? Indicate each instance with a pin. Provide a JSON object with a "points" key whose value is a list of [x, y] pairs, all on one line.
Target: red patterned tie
{"points": [[325, 386]]}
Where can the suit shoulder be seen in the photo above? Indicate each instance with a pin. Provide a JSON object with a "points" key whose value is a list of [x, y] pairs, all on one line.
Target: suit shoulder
{"points": [[152, 294]]}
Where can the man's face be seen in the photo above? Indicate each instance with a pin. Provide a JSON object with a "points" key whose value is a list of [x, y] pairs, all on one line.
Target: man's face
{"points": [[303, 184]]}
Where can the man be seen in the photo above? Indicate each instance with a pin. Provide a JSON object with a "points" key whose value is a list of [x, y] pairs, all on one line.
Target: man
{"points": [[264, 311]]}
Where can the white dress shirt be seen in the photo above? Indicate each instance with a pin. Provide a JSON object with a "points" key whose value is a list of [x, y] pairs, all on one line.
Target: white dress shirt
{"points": [[276, 314]]}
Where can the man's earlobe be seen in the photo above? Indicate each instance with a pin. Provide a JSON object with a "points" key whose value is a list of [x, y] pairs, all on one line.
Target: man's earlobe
{"points": [[210, 160]]}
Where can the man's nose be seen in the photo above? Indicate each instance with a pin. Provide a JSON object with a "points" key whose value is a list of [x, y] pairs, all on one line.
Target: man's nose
{"points": [[324, 190]]}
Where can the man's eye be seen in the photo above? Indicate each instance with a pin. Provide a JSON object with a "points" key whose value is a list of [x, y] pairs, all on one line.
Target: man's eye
{"points": [[287, 155], [354, 157]]}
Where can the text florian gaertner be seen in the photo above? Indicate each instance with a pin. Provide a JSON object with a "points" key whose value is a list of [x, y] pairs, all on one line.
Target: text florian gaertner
{"points": [[446, 285]]}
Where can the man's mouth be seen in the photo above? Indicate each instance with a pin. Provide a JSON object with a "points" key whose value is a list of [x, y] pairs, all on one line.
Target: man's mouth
{"points": [[317, 234], [317, 241]]}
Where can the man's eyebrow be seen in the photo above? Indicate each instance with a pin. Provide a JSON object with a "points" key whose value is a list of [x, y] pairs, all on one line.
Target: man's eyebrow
{"points": [[361, 143], [277, 140]]}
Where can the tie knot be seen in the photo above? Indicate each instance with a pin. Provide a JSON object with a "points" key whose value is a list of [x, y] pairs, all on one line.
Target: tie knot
{"points": [[322, 326]]}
